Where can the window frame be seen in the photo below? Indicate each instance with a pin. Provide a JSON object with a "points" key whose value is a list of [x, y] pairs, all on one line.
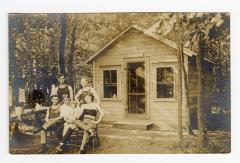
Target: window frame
{"points": [[109, 68], [165, 65]]}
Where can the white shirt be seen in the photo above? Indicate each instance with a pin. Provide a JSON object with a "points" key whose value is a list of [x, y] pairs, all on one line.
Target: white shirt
{"points": [[68, 113]]}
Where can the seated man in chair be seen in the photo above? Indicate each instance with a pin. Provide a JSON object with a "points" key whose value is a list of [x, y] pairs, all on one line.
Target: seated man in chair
{"points": [[90, 115], [69, 113], [53, 122]]}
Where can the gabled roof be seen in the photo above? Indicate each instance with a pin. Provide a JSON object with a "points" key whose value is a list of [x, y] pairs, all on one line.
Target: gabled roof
{"points": [[145, 32]]}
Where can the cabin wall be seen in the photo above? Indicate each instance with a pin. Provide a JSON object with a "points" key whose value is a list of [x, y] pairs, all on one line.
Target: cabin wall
{"points": [[135, 45]]}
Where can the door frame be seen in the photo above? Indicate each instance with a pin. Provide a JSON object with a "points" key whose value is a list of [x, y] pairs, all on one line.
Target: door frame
{"points": [[125, 87]]}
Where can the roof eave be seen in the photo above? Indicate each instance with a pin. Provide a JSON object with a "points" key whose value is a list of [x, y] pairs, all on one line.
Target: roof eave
{"points": [[108, 44], [152, 35]]}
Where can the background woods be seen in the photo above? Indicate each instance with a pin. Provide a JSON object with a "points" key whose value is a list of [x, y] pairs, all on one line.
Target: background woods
{"points": [[44, 45]]}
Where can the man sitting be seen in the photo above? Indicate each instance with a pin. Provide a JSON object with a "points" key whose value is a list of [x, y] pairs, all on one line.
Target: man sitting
{"points": [[53, 122], [68, 113], [84, 118], [88, 119]]}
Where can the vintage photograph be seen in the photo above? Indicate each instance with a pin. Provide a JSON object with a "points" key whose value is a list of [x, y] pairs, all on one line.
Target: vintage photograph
{"points": [[119, 83]]}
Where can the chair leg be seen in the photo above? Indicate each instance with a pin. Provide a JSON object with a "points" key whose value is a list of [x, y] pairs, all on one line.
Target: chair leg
{"points": [[76, 138], [98, 139]]}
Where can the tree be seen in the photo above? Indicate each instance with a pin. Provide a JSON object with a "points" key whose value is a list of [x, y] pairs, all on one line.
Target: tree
{"points": [[180, 99], [216, 29], [201, 127], [71, 55], [181, 36], [62, 43]]}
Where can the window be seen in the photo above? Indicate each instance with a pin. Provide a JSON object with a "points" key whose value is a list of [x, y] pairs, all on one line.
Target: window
{"points": [[110, 83], [165, 82]]}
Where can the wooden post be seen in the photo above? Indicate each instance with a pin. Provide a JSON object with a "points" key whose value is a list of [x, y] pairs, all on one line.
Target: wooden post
{"points": [[180, 51]]}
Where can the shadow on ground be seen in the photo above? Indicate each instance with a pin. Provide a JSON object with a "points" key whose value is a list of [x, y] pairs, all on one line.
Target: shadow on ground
{"points": [[122, 141]]}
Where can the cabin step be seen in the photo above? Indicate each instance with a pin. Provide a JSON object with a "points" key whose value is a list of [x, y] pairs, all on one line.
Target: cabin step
{"points": [[133, 125]]}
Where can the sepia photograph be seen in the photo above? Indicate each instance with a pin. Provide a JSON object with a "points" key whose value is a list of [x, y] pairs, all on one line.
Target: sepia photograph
{"points": [[119, 83]]}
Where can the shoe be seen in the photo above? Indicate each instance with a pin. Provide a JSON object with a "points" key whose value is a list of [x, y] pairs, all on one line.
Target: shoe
{"points": [[81, 151], [91, 132], [37, 130], [59, 149], [43, 149]]}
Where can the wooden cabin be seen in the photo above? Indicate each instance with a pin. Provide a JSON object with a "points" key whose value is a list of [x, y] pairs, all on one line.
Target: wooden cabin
{"points": [[135, 76]]}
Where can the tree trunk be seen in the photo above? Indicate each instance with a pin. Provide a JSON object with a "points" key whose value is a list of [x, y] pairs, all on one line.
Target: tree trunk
{"points": [[13, 67], [201, 128], [70, 58], [185, 80], [220, 77], [180, 135], [62, 43]]}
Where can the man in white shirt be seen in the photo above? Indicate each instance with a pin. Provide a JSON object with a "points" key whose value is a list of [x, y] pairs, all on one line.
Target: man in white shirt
{"points": [[69, 112]]}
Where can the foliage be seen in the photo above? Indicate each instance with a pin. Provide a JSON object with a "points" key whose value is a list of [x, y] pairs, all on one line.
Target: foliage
{"points": [[36, 39], [184, 28], [34, 36]]}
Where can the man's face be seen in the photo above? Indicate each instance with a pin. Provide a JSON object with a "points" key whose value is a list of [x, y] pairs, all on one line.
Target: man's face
{"points": [[55, 100], [62, 80], [73, 105], [84, 82], [66, 101]]}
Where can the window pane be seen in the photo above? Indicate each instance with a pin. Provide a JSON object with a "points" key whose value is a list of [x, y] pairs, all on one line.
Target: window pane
{"points": [[110, 91], [113, 76], [106, 77], [136, 77], [110, 83], [136, 104], [165, 74], [165, 82], [164, 90]]}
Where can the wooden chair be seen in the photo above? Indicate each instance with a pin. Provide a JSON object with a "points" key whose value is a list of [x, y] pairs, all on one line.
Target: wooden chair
{"points": [[51, 137], [77, 136], [75, 140]]}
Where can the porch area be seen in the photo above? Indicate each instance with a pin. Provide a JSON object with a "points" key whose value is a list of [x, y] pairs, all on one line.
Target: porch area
{"points": [[133, 124]]}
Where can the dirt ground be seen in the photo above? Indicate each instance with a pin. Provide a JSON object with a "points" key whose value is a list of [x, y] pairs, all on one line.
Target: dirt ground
{"points": [[123, 141]]}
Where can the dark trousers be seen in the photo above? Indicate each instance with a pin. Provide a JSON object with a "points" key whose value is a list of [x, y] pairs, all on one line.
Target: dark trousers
{"points": [[57, 127], [66, 137]]}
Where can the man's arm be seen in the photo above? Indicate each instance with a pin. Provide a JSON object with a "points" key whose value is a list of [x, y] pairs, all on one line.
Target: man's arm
{"points": [[71, 92], [101, 114], [78, 113], [77, 96], [47, 115], [53, 90], [94, 93], [62, 112]]}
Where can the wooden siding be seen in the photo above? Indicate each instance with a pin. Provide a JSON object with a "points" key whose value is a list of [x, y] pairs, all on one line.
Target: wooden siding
{"points": [[136, 45]]}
